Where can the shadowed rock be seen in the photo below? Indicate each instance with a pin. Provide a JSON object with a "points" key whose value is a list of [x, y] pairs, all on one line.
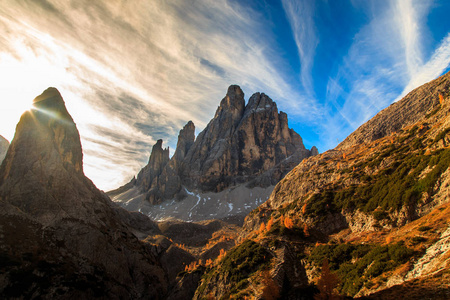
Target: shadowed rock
{"points": [[63, 235]]}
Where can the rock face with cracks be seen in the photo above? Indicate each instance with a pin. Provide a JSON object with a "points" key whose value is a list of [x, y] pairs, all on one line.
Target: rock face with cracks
{"points": [[243, 144]]}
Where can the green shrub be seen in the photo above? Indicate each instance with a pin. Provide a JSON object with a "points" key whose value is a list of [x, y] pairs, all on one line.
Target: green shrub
{"points": [[424, 228], [380, 215], [354, 262], [441, 135], [392, 188], [418, 239]]}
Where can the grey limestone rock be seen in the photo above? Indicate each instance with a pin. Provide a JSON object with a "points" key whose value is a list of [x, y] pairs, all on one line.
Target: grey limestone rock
{"points": [[242, 144]]}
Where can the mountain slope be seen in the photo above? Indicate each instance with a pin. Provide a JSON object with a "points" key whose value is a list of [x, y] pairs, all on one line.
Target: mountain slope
{"points": [[413, 107], [60, 236], [243, 147], [375, 208]]}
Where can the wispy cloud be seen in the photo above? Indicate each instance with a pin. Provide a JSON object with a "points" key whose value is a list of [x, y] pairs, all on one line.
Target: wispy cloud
{"points": [[300, 16], [139, 70], [132, 72], [385, 59], [435, 66]]}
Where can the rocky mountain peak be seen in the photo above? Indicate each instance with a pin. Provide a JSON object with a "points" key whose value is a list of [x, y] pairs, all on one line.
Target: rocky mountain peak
{"points": [[49, 93], [231, 108], [250, 144], [51, 103], [54, 216], [46, 149], [186, 139], [386, 186], [159, 158], [234, 98], [158, 155]]}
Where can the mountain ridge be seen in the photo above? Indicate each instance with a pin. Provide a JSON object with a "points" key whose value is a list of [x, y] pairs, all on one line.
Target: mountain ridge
{"points": [[243, 146]]}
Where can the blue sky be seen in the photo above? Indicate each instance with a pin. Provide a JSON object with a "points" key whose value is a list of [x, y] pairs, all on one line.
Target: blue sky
{"points": [[132, 72]]}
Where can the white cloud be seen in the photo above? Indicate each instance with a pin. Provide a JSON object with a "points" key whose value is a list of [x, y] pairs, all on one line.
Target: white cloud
{"points": [[132, 72], [435, 66], [386, 57], [300, 16]]}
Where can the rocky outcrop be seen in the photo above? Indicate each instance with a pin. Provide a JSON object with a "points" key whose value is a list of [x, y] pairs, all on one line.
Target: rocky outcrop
{"points": [[243, 144], [60, 236], [149, 177], [240, 143], [4, 145]]}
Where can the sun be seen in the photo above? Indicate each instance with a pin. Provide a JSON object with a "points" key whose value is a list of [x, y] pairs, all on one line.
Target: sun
{"points": [[23, 76]]}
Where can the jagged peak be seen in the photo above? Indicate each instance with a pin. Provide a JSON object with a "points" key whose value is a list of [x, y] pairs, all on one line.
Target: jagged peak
{"points": [[234, 90], [259, 102], [158, 144], [158, 153], [189, 125], [49, 93], [234, 100], [51, 104]]}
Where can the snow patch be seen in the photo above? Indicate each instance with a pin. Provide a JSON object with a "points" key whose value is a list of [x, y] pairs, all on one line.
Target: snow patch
{"points": [[189, 193], [198, 201]]}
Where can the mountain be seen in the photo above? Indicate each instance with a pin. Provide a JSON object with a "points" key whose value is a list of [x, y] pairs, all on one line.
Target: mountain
{"points": [[60, 237], [367, 219], [4, 144], [241, 154]]}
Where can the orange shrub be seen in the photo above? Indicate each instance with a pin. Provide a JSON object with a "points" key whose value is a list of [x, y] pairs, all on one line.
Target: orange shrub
{"points": [[262, 228], [304, 209], [269, 224], [306, 230], [288, 223]]}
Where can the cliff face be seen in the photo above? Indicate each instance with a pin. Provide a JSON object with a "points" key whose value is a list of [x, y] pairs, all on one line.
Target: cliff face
{"points": [[60, 236], [242, 144]]}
